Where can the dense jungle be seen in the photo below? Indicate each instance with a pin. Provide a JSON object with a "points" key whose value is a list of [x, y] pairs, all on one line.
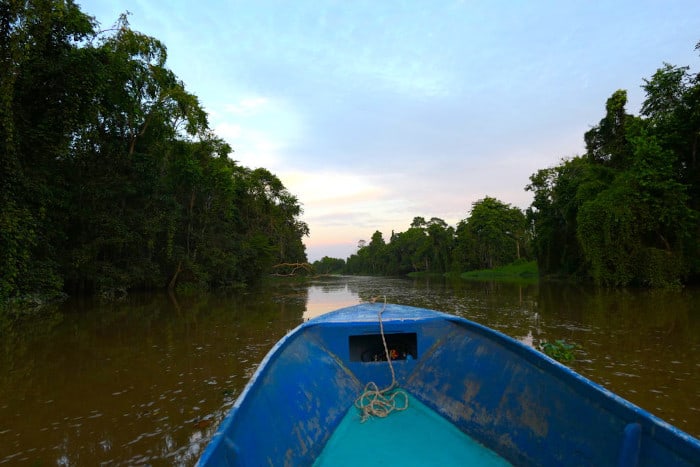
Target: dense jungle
{"points": [[624, 213], [113, 181]]}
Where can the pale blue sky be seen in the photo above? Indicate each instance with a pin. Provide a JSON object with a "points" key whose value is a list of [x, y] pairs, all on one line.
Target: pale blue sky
{"points": [[374, 112]]}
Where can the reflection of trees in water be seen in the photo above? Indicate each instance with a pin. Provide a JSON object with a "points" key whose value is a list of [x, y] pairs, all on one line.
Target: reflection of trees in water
{"points": [[633, 314], [166, 375], [504, 306], [20, 349], [642, 344]]}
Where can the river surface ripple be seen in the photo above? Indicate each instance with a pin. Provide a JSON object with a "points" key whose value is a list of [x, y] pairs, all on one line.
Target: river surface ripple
{"points": [[146, 381]]}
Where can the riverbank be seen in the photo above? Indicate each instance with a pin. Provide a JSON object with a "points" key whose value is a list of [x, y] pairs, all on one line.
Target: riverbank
{"points": [[519, 271], [524, 270], [168, 372]]}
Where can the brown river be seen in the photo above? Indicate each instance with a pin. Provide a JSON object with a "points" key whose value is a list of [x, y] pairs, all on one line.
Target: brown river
{"points": [[145, 381]]}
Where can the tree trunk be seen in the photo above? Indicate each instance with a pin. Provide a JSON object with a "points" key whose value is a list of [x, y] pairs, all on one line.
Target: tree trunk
{"points": [[173, 281]]}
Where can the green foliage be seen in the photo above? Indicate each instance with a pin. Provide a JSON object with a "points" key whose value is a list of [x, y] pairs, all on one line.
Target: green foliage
{"points": [[642, 211], [111, 177], [493, 235], [519, 270], [427, 246], [607, 143], [626, 213], [559, 350], [327, 265]]}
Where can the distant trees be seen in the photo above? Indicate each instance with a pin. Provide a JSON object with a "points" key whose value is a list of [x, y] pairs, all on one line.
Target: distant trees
{"points": [[328, 265], [494, 234], [111, 176], [627, 212]]}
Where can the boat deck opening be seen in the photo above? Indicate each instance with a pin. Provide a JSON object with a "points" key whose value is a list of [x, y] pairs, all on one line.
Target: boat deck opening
{"points": [[416, 436], [370, 347]]}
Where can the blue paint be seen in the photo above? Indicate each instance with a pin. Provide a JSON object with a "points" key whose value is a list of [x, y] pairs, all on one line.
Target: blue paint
{"points": [[515, 401], [416, 436], [631, 444]]}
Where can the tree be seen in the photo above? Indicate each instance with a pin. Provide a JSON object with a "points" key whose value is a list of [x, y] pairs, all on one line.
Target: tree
{"points": [[672, 106], [40, 102], [492, 234], [417, 247], [558, 194], [634, 231], [626, 212], [111, 177], [328, 265], [607, 142], [442, 238], [376, 254]]}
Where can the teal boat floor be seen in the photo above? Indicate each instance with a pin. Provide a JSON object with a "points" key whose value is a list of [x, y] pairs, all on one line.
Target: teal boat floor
{"points": [[415, 436]]}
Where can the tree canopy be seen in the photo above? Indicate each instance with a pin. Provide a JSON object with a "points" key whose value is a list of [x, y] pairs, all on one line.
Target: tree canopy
{"points": [[493, 234], [112, 178], [626, 211]]}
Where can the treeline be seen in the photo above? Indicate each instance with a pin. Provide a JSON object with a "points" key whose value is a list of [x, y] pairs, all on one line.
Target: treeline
{"points": [[494, 234], [111, 177], [625, 213]]}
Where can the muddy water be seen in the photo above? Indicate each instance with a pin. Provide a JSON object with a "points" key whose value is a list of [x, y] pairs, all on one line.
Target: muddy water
{"points": [[146, 381]]}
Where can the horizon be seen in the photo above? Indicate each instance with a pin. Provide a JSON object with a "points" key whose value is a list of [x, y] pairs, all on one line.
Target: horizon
{"points": [[374, 113]]}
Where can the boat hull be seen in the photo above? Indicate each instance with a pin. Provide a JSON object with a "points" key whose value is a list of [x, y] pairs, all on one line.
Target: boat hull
{"points": [[522, 405]]}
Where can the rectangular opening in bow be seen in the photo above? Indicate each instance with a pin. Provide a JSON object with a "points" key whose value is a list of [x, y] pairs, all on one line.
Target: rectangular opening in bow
{"points": [[370, 348]]}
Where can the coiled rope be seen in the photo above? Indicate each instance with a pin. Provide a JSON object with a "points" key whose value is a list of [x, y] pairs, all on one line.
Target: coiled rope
{"points": [[381, 402]]}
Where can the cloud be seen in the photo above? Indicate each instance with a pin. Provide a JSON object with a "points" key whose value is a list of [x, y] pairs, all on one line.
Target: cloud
{"points": [[259, 129], [247, 106], [229, 131], [372, 113], [344, 207]]}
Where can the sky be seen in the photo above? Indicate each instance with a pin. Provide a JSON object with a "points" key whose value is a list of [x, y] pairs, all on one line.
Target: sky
{"points": [[374, 112]]}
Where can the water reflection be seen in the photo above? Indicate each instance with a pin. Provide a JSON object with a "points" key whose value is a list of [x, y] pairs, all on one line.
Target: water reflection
{"points": [[330, 295], [644, 345], [143, 382], [147, 381]]}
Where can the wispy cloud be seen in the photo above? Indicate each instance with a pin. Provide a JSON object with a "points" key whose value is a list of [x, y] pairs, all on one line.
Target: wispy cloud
{"points": [[247, 106], [260, 129], [373, 112]]}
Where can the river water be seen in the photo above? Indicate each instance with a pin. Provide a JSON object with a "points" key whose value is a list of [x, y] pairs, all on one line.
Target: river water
{"points": [[145, 381]]}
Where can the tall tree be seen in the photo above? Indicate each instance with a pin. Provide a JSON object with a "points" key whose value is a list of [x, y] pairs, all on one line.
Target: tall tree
{"points": [[558, 194], [376, 251], [494, 232], [626, 212], [442, 238], [113, 179], [41, 100], [607, 142]]}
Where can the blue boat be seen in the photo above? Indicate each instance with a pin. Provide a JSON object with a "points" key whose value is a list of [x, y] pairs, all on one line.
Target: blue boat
{"points": [[382, 384]]}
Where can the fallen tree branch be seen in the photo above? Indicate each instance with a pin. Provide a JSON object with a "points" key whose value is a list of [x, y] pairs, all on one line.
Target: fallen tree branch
{"points": [[294, 268]]}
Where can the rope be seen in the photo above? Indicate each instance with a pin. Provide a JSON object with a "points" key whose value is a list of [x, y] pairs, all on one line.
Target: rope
{"points": [[381, 402]]}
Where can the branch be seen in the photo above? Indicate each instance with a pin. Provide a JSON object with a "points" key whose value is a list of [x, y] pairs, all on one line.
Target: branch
{"points": [[295, 267]]}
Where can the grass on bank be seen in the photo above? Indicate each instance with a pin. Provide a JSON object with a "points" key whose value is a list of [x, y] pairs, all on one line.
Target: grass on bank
{"points": [[518, 271]]}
